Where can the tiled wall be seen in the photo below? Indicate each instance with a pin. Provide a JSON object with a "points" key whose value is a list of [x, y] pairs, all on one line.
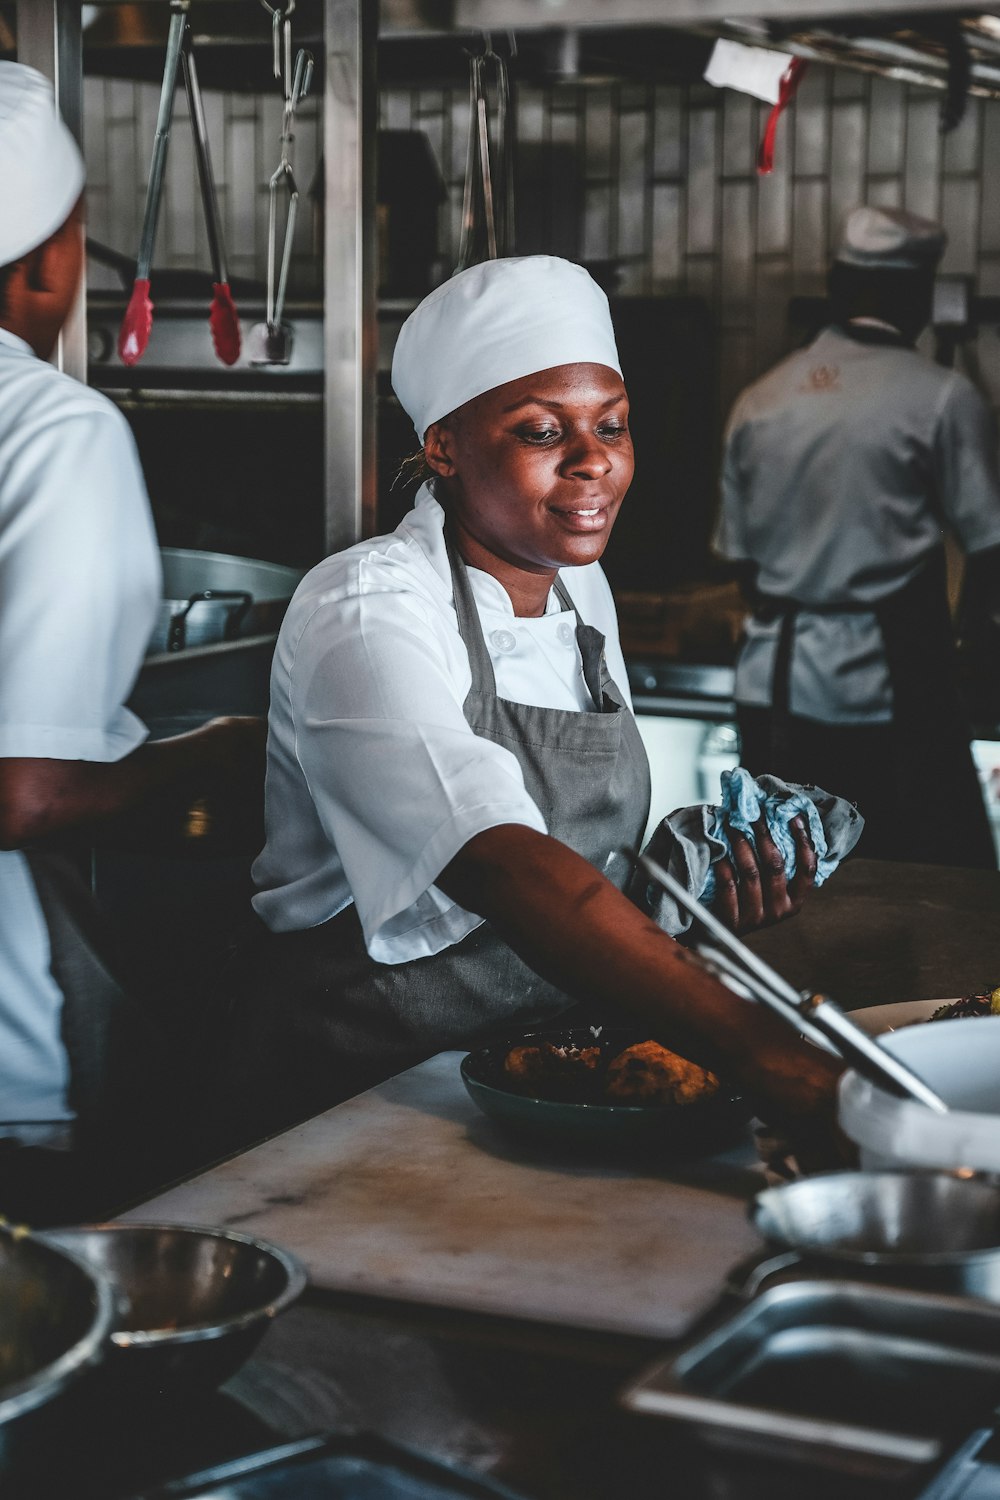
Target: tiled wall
{"points": [[660, 177], [665, 179]]}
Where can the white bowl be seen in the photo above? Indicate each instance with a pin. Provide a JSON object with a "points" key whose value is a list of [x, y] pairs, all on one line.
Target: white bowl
{"points": [[961, 1061]]}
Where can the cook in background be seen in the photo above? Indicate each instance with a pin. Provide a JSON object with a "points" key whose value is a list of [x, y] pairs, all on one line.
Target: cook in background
{"points": [[453, 764], [842, 466], [79, 592]]}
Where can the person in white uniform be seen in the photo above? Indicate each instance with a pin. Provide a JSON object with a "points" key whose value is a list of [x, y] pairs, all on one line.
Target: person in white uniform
{"points": [[453, 765], [842, 468], [79, 594]]}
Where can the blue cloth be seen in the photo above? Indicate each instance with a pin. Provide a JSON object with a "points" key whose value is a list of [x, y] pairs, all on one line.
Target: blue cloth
{"points": [[693, 839], [743, 800]]}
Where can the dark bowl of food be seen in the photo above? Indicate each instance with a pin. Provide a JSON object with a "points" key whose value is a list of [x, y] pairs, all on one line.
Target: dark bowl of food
{"points": [[195, 1302], [603, 1086]]}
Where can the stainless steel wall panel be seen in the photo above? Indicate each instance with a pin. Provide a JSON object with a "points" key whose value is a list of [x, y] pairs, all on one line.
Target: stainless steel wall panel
{"points": [[810, 232], [886, 127], [989, 217], [702, 182], [962, 145], [923, 155], [738, 264], [241, 204], [668, 132], [453, 165], [667, 233], [960, 212], [598, 132], [806, 129], [634, 173], [739, 135], [848, 143], [774, 212], [598, 240]]}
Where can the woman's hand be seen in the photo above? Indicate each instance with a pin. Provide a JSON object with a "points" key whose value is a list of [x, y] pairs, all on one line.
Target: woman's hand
{"points": [[751, 889]]}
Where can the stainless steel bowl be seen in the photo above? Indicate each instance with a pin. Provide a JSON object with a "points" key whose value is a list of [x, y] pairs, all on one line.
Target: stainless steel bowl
{"points": [[55, 1316], [198, 1300], [935, 1229]]}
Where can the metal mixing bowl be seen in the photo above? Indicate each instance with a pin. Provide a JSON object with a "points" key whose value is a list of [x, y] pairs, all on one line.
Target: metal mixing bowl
{"points": [[934, 1229], [198, 1300], [55, 1316]]}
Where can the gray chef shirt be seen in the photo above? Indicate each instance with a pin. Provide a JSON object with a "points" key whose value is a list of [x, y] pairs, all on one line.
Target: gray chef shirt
{"points": [[842, 466]]}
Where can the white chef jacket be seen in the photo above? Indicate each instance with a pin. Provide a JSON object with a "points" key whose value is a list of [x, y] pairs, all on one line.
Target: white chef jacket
{"points": [[841, 467], [375, 780], [79, 591]]}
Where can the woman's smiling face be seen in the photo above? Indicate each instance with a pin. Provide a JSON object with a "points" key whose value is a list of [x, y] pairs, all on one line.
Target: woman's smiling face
{"points": [[536, 470]]}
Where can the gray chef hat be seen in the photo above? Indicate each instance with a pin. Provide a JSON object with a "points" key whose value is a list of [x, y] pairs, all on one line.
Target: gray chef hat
{"points": [[41, 169], [890, 239]]}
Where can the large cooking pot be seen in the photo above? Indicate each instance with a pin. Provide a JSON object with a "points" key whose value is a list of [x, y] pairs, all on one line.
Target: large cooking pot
{"points": [[56, 1314], [213, 596]]}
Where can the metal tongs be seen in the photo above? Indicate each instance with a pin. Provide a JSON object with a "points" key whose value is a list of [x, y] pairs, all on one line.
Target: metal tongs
{"points": [[804, 1011], [270, 342], [488, 198], [223, 318]]}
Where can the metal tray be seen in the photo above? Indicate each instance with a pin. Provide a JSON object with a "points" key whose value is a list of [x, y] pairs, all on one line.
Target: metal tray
{"points": [[352, 1467], [865, 1379]]}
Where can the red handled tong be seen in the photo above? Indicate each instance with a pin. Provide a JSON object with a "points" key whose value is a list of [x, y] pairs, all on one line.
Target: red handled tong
{"points": [[223, 319]]}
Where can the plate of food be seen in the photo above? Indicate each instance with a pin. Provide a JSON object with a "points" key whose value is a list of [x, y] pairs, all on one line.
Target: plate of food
{"points": [[876, 1020], [604, 1085]]}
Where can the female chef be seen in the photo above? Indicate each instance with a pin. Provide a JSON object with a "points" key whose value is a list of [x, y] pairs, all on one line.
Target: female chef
{"points": [[453, 766]]}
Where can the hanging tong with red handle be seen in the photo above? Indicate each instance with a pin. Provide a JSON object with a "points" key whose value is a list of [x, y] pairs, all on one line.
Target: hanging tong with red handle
{"points": [[223, 320]]}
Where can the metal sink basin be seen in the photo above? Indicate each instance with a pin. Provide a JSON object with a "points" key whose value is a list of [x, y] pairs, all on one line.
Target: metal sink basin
{"points": [[859, 1378]]}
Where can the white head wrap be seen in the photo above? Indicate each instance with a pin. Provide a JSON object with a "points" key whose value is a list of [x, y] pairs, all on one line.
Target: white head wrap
{"points": [[496, 322], [41, 169], [890, 239]]}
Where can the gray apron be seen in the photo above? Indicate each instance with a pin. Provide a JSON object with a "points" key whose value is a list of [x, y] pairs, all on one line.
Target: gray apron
{"points": [[313, 1018]]}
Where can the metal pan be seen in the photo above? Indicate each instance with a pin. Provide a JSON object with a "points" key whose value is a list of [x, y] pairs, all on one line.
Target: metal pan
{"points": [[212, 596], [936, 1230]]}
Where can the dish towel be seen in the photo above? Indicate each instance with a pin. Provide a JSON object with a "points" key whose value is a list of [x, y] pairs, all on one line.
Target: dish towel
{"points": [[692, 840]]}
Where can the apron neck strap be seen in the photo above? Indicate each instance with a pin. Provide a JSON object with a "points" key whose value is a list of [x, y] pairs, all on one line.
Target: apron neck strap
{"points": [[469, 624], [470, 628]]}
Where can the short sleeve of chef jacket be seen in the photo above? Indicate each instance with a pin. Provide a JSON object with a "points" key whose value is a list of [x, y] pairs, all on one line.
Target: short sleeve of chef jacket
{"points": [[965, 460], [79, 578], [398, 779]]}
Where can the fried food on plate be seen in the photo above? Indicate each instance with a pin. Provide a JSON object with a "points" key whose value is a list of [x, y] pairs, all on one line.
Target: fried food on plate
{"points": [[650, 1074], [555, 1072]]}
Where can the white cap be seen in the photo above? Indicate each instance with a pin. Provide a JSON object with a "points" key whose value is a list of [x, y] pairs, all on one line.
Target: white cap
{"points": [[890, 239], [41, 169], [494, 323]]}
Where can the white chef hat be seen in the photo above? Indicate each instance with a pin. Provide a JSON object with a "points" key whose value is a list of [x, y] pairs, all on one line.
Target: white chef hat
{"points": [[496, 322], [890, 239], [41, 169]]}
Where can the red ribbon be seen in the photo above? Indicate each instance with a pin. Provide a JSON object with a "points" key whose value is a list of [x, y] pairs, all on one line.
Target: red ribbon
{"points": [[787, 90]]}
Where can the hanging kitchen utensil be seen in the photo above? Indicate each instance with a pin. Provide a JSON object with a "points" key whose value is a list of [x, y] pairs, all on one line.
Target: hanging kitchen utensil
{"points": [[137, 323], [270, 342], [488, 198], [223, 319], [805, 1012]]}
